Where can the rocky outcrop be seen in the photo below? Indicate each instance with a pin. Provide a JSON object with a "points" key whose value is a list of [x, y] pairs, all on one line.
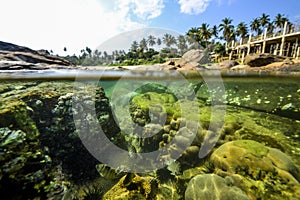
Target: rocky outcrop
{"points": [[16, 57], [258, 60], [41, 153], [191, 60]]}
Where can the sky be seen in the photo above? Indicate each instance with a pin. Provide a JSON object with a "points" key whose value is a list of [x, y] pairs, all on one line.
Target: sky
{"points": [[76, 24]]}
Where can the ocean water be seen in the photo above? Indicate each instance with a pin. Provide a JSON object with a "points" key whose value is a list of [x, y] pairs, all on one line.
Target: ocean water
{"points": [[149, 135]]}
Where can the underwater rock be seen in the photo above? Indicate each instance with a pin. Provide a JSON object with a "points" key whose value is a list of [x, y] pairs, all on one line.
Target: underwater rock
{"points": [[174, 168], [108, 172], [40, 137], [168, 191], [23, 165], [153, 87], [246, 124], [133, 186], [214, 187], [151, 102], [16, 115], [268, 170]]}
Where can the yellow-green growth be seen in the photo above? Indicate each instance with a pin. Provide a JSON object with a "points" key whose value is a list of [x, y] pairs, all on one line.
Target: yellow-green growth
{"points": [[15, 115], [255, 148]]}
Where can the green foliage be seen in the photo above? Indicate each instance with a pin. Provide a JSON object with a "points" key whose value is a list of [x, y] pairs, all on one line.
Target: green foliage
{"points": [[145, 52], [220, 49]]}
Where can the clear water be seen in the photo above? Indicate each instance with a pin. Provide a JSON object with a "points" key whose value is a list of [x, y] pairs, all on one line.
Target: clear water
{"points": [[149, 135]]}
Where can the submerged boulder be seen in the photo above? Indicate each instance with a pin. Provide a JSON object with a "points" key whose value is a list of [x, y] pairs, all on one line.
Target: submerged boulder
{"points": [[213, 187], [261, 171]]}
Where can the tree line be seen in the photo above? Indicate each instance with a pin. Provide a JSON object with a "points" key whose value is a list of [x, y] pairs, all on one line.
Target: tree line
{"points": [[151, 50]]}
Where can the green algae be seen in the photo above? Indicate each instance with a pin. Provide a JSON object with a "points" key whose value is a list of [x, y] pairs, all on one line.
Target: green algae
{"points": [[16, 115], [255, 148], [153, 103]]}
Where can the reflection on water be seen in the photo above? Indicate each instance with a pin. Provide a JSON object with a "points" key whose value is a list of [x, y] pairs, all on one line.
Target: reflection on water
{"points": [[149, 135]]}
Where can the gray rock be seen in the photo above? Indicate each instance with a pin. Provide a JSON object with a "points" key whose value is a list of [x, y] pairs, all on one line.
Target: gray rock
{"points": [[227, 64], [193, 56], [191, 60]]}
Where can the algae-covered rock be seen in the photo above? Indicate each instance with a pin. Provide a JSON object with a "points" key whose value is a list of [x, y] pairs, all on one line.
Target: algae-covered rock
{"points": [[40, 150], [245, 124], [214, 187], [22, 164], [169, 191], [155, 104], [264, 172], [16, 115], [153, 87], [132, 186]]}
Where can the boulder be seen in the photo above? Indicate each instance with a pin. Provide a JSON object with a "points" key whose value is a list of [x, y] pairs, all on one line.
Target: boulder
{"points": [[227, 64], [211, 186], [194, 55], [258, 60], [191, 60], [259, 168]]}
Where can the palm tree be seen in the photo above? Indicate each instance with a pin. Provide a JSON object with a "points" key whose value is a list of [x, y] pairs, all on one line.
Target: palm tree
{"points": [[215, 31], [193, 36], [270, 28], [242, 30], [105, 56], [205, 33], [279, 20], [264, 20], [255, 26], [151, 40], [169, 40], [143, 45], [158, 41], [89, 51], [181, 44], [134, 46], [227, 28]]}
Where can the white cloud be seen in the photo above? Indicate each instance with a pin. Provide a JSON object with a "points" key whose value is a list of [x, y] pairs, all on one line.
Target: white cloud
{"points": [[143, 9], [193, 6], [75, 24], [148, 9], [221, 2]]}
